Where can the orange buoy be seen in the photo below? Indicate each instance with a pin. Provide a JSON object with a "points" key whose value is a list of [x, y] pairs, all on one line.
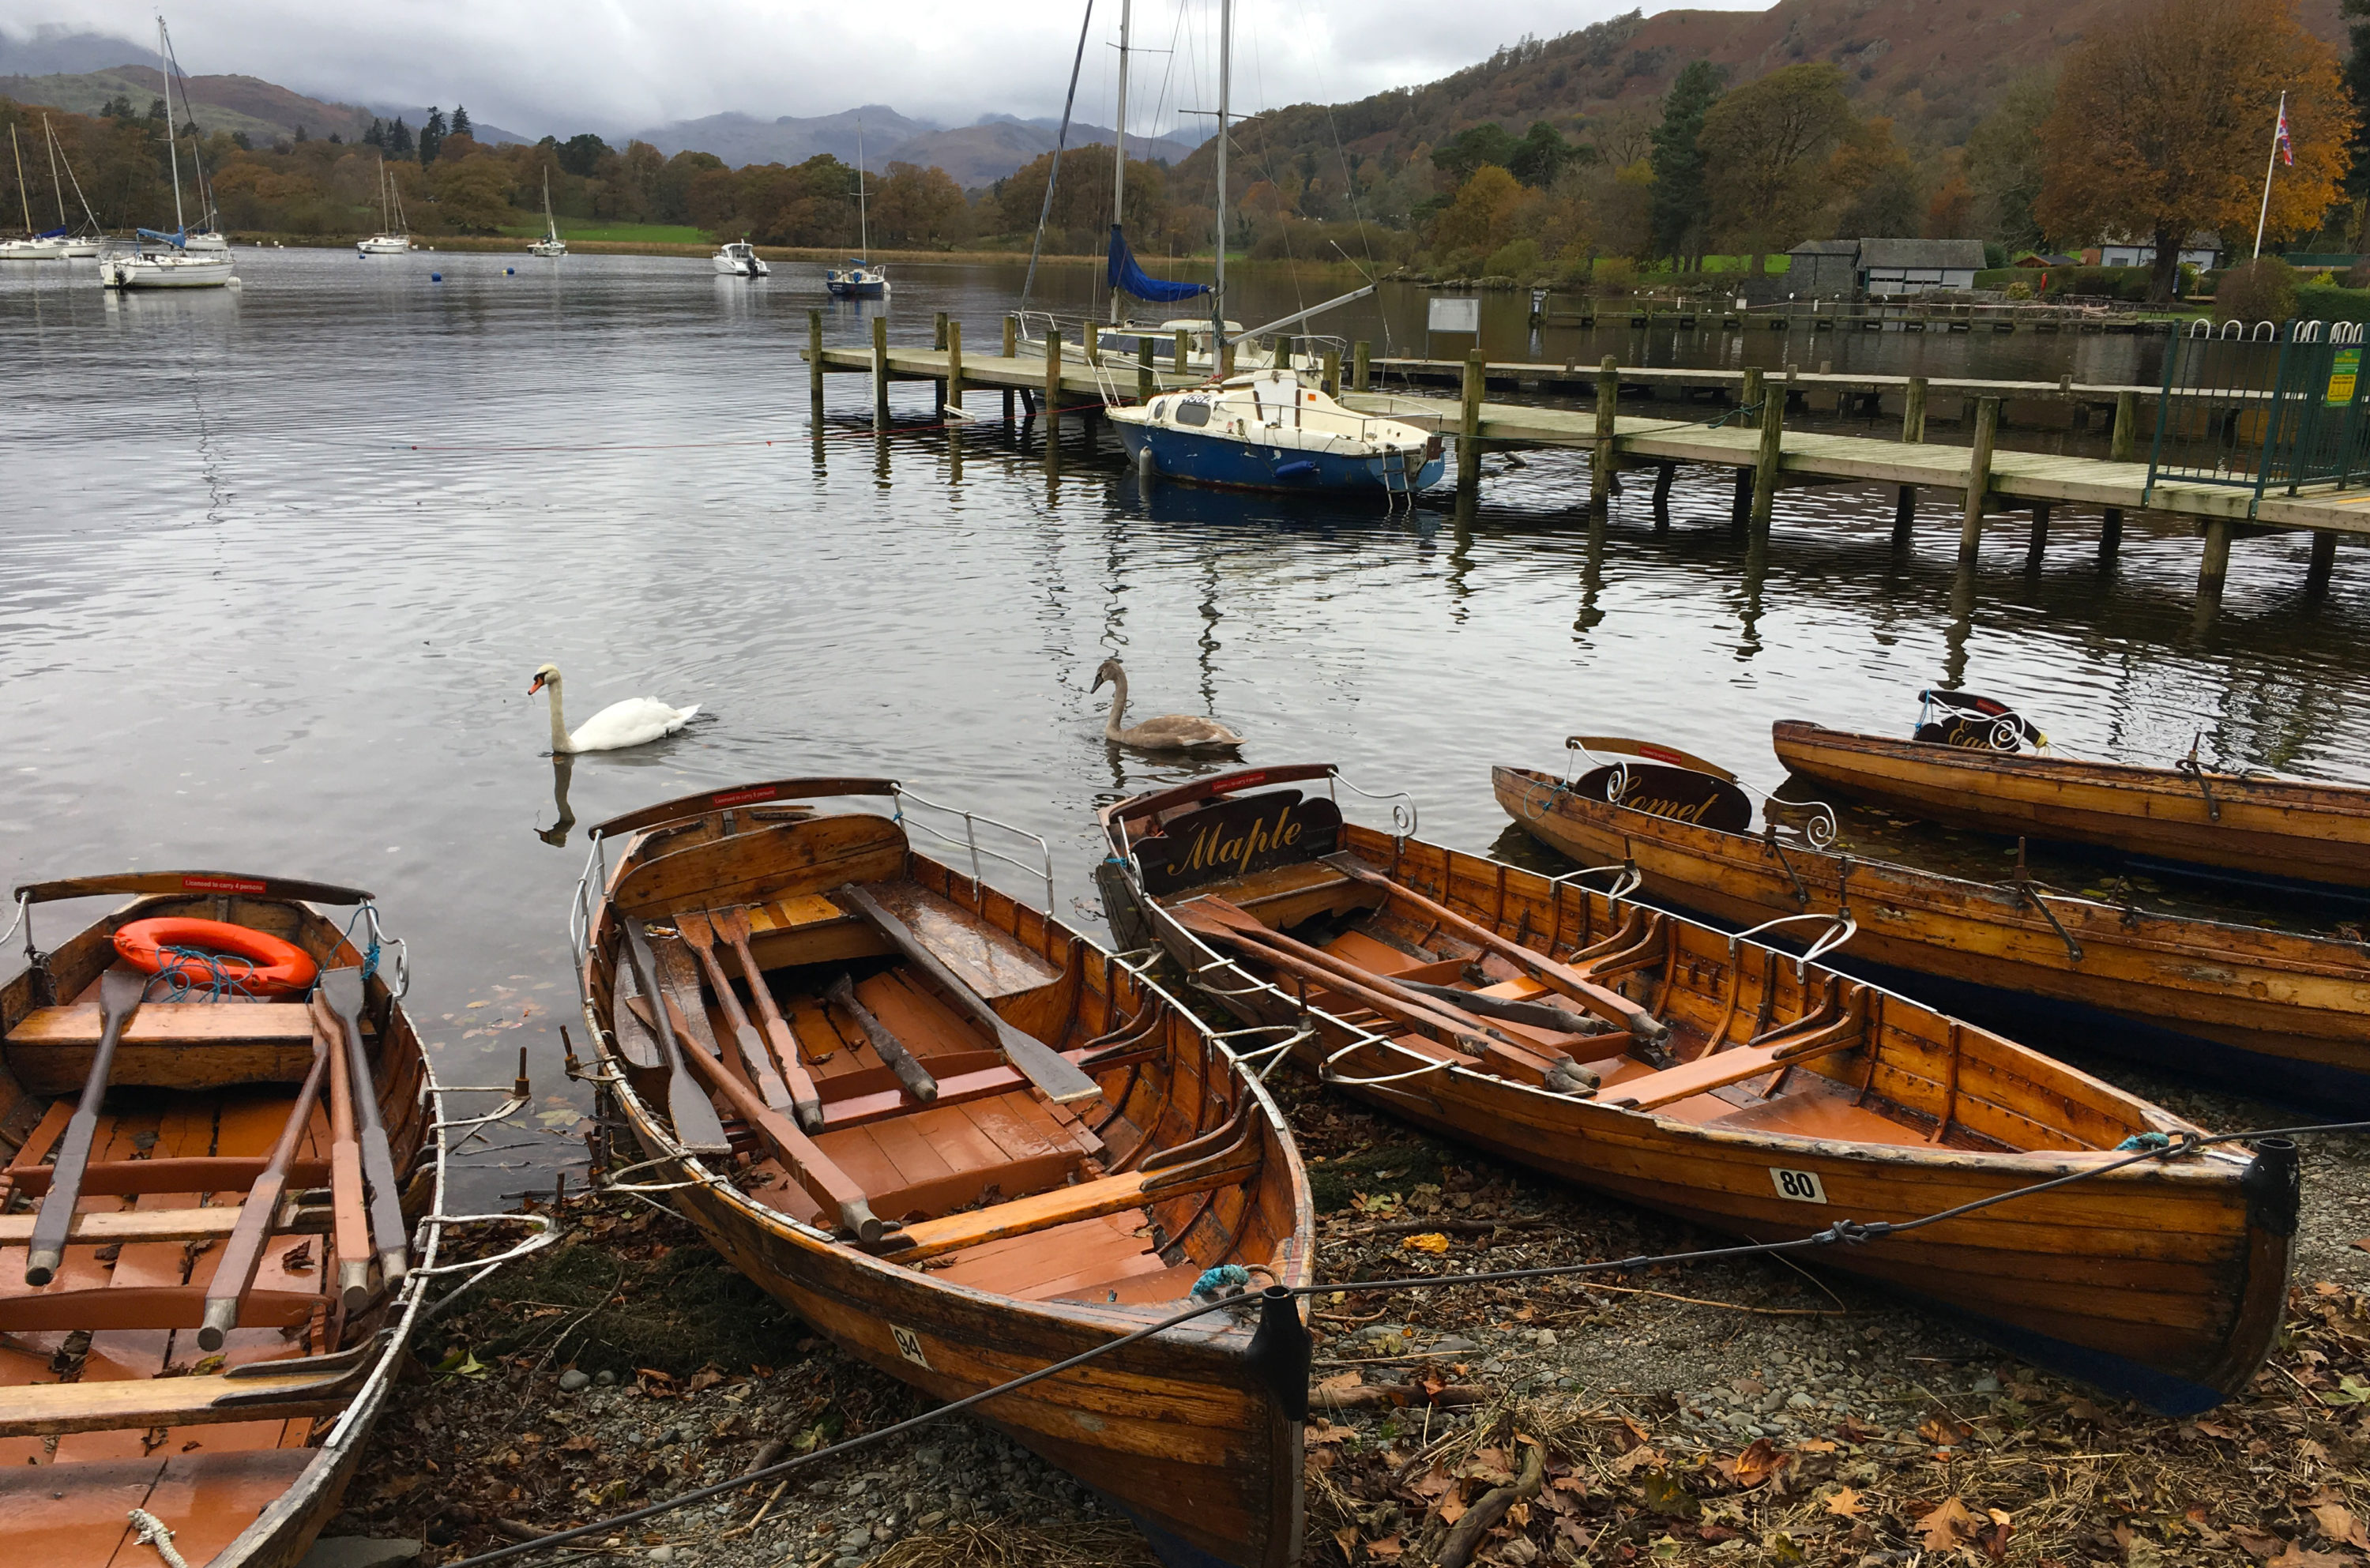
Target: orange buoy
{"points": [[258, 963]]}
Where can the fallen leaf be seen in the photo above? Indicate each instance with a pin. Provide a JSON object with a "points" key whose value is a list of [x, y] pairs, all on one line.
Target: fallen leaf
{"points": [[2338, 1522], [1759, 1461], [2256, 1542], [1665, 1496], [1340, 1381], [1815, 1446], [1951, 1524], [1387, 1550], [2296, 1556], [2349, 1389], [1452, 1508], [299, 1258], [1942, 1432], [1326, 1432], [2217, 1429], [1636, 1459], [1846, 1503], [1430, 1241]]}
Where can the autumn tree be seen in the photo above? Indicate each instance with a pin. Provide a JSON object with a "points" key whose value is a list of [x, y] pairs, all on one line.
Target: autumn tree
{"points": [[2163, 121], [1481, 218], [1875, 183], [1766, 146], [2003, 163], [1681, 208]]}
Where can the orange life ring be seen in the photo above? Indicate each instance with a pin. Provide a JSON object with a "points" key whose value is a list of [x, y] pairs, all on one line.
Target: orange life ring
{"points": [[264, 966]]}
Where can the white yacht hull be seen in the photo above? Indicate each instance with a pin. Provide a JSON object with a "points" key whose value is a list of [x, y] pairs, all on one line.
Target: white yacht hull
{"points": [[32, 251], [178, 270], [385, 244]]}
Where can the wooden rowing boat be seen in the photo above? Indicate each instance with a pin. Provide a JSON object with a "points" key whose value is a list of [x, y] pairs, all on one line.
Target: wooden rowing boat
{"points": [[1014, 1149], [121, 1393], [2260, 823], [1716, 1079], [2276, 1012]]}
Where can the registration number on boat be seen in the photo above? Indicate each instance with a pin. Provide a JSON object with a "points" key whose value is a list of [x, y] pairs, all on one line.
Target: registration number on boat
{"points": [[909, 1346], [1802, 1186]]}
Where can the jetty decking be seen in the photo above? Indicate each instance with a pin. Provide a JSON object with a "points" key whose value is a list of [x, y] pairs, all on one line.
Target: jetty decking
{"points": [[1748, 438]]}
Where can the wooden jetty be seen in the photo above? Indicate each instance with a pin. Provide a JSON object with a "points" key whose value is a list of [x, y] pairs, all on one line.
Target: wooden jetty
{"points": [[1749, 438]]}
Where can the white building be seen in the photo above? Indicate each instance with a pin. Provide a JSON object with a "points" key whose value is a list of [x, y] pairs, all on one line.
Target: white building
{"points": [[2203, 252]]}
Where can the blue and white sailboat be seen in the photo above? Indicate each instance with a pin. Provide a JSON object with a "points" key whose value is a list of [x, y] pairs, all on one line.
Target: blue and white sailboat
{"points": [[1268, 428], [859, 279]]}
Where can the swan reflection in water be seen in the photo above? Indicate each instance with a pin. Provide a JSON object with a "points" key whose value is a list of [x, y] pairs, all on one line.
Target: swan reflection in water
{"points": [[563, 768]]}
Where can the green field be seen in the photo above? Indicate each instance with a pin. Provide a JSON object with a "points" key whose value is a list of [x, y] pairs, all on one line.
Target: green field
{"points": [[618, 233]]}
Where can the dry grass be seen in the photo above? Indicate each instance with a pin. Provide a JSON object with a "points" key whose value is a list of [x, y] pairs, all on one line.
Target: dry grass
{"points": [[997, 1544]]}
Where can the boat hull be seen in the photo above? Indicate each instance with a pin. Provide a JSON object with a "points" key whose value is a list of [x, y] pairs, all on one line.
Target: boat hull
{"points": [[1192, 457], [204, 272], [236, 1497], [2163, 1281], [2267, 1011], [2290, 830], [1181, 1430], [858, 291]]}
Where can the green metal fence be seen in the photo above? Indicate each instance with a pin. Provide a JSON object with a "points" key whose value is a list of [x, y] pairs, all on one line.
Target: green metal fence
{"points": [[2265, 410]]}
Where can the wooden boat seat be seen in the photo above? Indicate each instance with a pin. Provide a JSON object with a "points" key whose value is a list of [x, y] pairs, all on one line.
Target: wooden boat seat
{"points": [[101, 1227], [1083, 1200], [1653, 1090], [811, 929], [1102, 1261], [175, 1044], [1816, 1107], [117, 1307], [940, 1157], [204, 1498], [44, 1410]]}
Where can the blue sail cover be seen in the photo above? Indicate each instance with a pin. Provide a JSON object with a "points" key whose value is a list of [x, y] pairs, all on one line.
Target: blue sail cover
{"points": [[1124, 274], [178, 241], [57, 233]]}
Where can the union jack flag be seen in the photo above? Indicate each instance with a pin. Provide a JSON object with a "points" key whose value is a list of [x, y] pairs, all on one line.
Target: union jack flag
{"points": [[2279, 141]]}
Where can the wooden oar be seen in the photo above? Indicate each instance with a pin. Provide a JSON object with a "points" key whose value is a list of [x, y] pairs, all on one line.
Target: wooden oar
{"points": [[344, 990], [696, 1126], [799, 1097], [732, 925], [1598, 1000], [1507, 1010], [815, 1172], [243, 1253], [910, 1073], [349, 1233], [119, 991], [1364, 986], [1054, 1074]]}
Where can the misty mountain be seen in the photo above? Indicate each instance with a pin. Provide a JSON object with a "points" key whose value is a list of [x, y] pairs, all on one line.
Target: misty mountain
{"points": [[51, 49], [973, 155]]}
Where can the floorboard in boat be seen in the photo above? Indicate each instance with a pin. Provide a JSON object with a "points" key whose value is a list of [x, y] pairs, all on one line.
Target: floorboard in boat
{"points": [[1046, 1264], [206, 1499]]}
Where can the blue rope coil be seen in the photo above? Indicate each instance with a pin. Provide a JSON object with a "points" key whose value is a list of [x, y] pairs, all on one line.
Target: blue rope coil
{"points": [[2139, 1141], [1226, 1279], [213, 974], [370, 954]]}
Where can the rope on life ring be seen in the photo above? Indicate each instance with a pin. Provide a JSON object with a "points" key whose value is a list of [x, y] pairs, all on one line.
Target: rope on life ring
{"points": [[183, 950]]}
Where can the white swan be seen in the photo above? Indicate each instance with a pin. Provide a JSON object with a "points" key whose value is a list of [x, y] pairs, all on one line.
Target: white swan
{"points": [[635, 721], [1171, 731]]}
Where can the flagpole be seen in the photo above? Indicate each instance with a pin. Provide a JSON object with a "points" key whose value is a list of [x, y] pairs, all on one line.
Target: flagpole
{"points": [[2270, 164]]}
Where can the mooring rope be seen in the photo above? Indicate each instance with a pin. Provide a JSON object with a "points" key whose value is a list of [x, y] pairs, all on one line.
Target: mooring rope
{"points": [[1845, 1232]]}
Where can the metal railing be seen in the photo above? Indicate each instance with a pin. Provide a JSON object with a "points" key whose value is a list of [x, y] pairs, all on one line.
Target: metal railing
{"points": [[2262, 409]]}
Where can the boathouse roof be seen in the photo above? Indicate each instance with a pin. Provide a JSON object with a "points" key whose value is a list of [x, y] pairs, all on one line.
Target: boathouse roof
{"points": [[1951, 255]]}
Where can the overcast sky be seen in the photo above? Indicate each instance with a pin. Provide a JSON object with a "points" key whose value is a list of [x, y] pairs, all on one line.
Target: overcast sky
{"points": [[542, 65]]}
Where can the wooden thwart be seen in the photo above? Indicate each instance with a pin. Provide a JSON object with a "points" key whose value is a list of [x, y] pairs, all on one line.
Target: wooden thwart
{"points": [[51, 1410], [1719, 1069], [1085, 1199], [103, 1227]]}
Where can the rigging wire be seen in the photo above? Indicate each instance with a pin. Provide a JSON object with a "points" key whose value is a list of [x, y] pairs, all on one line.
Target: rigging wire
{"points": [[1053, 175], [1844, 1232]]}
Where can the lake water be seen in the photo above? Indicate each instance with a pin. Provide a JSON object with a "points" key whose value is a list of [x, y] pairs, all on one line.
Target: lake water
{"points": [[277, 565]]}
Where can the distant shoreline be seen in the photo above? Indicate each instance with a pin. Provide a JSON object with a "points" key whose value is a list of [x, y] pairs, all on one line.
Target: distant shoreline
{"points": [[511, 244]]}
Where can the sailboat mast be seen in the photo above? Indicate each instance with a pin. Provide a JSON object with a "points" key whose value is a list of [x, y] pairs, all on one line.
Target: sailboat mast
{"points": [[1226, 81], [23, 201], [56, 183], [863, 224], [172, 134], [1119, 140]]}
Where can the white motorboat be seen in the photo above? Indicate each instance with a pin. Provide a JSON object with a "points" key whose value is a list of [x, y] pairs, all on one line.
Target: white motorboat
{"points": [[739, 259], [173, 262], [550, 243], [394, 237]]}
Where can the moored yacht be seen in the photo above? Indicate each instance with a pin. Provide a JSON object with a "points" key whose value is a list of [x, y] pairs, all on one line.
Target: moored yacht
{"points": [[550, 243], [394, 236], [1270, 430], [179, 260]]}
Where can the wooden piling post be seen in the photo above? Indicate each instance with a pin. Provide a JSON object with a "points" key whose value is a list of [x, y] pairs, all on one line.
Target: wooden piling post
{"points": [[1913, 410], [1664, 474], [2038, 547], [2111, 535], [1182, 339], [1469, 425], [1905, 516], [1147, 381], [1361, 355], [2127, 421], [814, 361], [1052, 399], [880, 372], [1979, 479], [1740, 503], [1330, 376], [939, 341], [1227, 360], [2216, 567], [953, 368], [1094, 344], [1748, 397], [1283, 350], [1765, 462], [1012, 336], [1608, 427], [2324, 561]]}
